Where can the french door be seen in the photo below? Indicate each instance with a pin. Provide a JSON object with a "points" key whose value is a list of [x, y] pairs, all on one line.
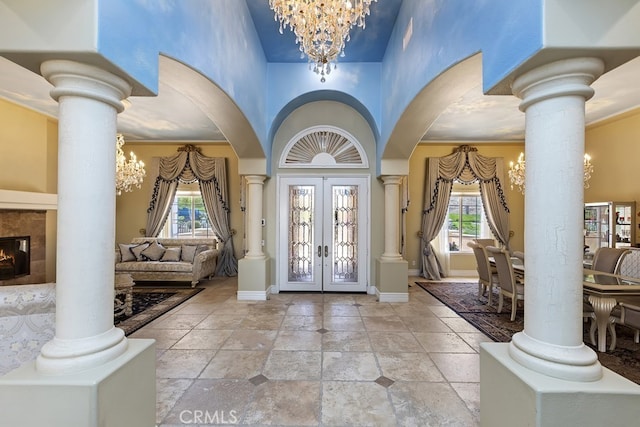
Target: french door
{"points": [[323, 234]]}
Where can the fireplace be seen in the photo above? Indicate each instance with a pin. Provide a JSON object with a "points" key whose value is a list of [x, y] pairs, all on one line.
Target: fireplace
{"points": [[15, 257]]}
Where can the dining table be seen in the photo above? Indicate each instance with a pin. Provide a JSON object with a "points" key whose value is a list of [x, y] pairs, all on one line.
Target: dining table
{"points": [[604, 291]]}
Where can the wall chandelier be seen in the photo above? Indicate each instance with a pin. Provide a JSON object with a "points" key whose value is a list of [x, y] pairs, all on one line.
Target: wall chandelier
{"points": [[516, 172], [129, 173], [321, 27]]}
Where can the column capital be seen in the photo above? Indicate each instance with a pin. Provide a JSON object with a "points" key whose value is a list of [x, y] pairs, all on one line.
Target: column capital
{"points": [[391, 179], [77, 79], [561, 78], [255, 179]]}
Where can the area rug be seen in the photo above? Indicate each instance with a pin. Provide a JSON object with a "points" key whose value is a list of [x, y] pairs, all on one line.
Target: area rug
{"points": [[149, 303], [462, 297]]}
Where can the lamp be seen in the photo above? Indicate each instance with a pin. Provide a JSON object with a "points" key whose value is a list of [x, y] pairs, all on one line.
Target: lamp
{"points": [[516, 172], [321, 27], [130, 172]]}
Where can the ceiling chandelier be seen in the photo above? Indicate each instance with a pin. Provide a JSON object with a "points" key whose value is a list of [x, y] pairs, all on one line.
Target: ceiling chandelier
{"points": [[321, 27], [129, 173], [516, 172]]}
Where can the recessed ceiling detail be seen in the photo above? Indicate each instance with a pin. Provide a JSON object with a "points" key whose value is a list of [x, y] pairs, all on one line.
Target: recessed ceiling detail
{"points": [[324, 147]]}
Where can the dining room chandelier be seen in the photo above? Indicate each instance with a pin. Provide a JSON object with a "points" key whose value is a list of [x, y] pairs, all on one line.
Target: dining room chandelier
{"points": [[129, 172], [321, 27], [516, 172]]}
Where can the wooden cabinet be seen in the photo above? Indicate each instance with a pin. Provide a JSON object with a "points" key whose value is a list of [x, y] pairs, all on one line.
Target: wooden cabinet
{"points": [[609, 224]]}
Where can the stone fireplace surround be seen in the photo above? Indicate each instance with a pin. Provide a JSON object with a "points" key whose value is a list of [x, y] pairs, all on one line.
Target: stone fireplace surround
{"points": [[24, 214]]}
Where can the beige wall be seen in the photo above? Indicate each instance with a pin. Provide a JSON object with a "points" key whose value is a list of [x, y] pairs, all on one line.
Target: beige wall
{"points": [[29, 162], [131, 208], [614, 146], [417, 165]]}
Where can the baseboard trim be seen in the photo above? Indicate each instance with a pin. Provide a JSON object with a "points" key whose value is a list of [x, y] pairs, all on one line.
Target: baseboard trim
{"points": [[392, 296], [252, 295]]}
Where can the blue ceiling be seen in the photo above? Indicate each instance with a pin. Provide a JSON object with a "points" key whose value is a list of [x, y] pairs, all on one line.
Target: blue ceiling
{"points": [[365, 46]]}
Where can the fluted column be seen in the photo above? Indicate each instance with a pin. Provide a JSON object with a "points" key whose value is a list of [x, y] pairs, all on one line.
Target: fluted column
{"points": [[391, 217], [89, 100], [255, 184], [553, 99]]}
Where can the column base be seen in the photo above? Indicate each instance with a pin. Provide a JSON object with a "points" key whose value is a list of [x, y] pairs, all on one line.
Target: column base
{"points": [[253, 276], [121, 392], [392, 280], [511, 394]]}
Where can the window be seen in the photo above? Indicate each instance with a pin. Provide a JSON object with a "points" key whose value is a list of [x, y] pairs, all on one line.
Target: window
{"points": [[465, 221], [187, 217]]}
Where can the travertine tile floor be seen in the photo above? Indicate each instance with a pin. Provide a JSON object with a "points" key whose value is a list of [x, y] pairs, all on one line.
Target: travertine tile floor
{"points": [[304, 359]]}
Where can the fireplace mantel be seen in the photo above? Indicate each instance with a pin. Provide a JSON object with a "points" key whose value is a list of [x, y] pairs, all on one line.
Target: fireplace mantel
{"points": [[26, 200]]}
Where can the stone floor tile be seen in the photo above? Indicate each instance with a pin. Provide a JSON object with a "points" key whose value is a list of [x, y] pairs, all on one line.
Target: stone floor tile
{"points": [[458, 367], [203, 339], [298, 340], [302, 323], [293, 365], [394, 341], [250, 340], [182, 363], [443, 342], [165, 338], [429, 404], [285, 403], [235, 364], [346, 403], [221, 321], [408, 367], [387, 323], [349, 366], [346, 341], [340, 323]]}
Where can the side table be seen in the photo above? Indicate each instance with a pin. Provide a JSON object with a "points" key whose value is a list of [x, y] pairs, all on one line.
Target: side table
{"points": [[123, 288]]}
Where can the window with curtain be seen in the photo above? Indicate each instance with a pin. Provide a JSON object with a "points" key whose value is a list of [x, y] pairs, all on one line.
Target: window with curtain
{"points": [[466, 219], [187, 217]]}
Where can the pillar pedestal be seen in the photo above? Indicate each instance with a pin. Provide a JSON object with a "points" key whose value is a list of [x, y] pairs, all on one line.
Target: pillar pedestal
{"points": [[511, 395], [122, 392], [253, 269]]}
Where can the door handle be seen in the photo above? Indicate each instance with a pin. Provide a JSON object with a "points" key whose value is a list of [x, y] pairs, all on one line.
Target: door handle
{"points": [[326, 251], [319, 251]]}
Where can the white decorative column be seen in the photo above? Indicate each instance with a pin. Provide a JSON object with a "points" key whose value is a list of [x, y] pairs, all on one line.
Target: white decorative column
{"points": [[89, 99], [553, 99], [255, 184], [546, 373], [253, 269], [391, 217], [80, 376], [392, 271]]}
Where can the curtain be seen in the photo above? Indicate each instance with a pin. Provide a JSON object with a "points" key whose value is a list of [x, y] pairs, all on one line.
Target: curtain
{"points": [[187, 166], [212, 176], [164, 190], [465, 165]]}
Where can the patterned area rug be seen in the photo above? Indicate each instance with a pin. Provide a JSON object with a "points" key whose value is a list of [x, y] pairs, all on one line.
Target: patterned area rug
{"points": [[149, 303], [463, 299]]}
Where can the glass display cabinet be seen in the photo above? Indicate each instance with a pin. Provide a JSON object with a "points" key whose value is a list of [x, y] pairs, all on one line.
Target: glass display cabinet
{"points": [[609, 224]]}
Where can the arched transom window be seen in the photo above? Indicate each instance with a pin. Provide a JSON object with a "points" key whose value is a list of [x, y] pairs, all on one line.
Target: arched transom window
{"points": [[323, 147]]}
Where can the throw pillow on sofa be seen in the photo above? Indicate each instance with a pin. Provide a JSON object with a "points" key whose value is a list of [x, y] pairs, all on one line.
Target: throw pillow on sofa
{"points": [[188, 253], [171, 255], [125, 252], [137, 251], [154, 251]]}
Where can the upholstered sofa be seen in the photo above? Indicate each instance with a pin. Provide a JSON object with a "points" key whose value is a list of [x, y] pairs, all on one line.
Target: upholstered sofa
{"points": [[164, 259], [27, 322]]}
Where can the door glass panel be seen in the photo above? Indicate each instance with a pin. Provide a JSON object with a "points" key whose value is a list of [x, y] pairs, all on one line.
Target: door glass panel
{"points": [[300, 239], [345, 233]]}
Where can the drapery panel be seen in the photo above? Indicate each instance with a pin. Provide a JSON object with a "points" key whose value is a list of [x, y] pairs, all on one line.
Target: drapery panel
{"points": [[465, 165], [187, 166]]}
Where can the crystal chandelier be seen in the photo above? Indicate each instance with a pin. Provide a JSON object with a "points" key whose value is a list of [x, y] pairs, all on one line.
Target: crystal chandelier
{"points": [[516, 172], [321, 27], [130, 172]]}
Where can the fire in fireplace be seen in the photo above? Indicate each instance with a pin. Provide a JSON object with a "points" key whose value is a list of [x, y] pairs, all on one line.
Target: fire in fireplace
{"points": [[15, 257]]}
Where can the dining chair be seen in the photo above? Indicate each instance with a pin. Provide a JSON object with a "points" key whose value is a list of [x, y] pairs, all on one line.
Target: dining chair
{"points": [[487, 275], [588, 314], [485, 242], [630, 317], [509, 286], [609, 259]]}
